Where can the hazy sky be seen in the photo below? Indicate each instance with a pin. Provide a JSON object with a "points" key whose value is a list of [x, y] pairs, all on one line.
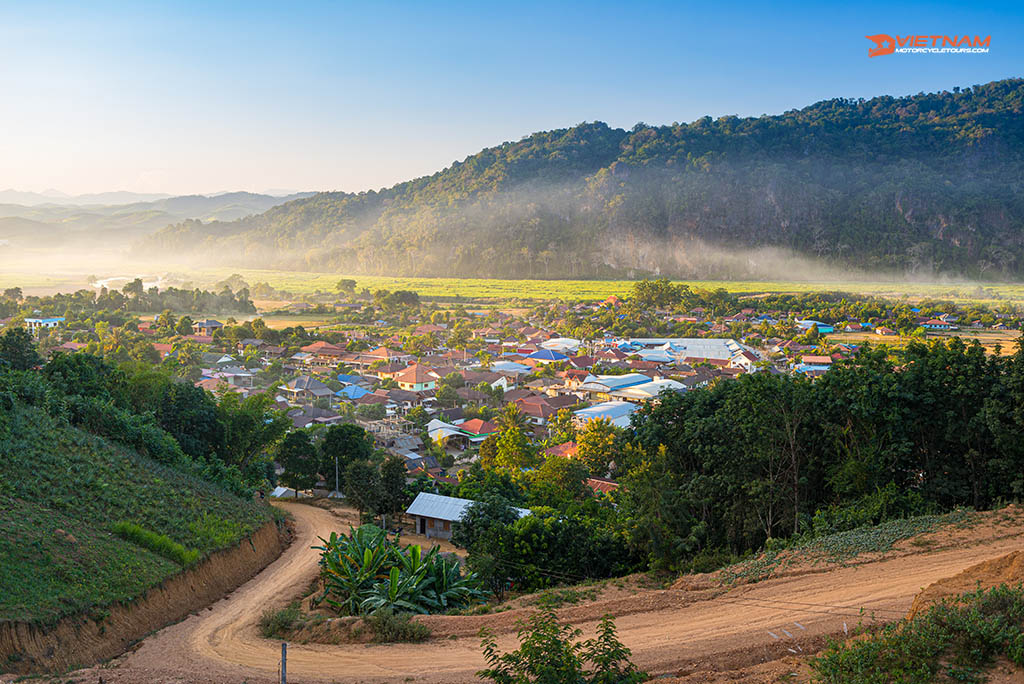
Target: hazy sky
{"points": [[209, 96]]}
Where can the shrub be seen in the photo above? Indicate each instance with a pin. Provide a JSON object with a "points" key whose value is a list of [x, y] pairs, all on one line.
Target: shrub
{"points": [[275, 624], [883, 504], [159, 544], [958, 638], [390, 627], [549, 652]]}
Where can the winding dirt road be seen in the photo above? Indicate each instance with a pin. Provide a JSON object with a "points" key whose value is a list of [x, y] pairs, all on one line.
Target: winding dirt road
{"points": [[671, 632]]}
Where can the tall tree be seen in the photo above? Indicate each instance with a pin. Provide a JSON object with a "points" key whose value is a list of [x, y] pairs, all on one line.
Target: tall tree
{"points": [[18, 350], [298, 457]]}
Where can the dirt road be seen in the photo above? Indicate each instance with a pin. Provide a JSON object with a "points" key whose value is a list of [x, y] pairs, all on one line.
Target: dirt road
{"points": [[671, 632]]}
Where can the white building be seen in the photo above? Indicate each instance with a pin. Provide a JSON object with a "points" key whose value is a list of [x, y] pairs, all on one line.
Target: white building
{"points": [[34, 325]]}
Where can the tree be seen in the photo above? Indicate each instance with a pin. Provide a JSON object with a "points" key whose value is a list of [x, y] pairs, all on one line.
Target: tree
{"points": [[18, 351], [447, 396], [391, 498], [513, 450], [558, 482], [165, 320], [251, 426], [595, 445], [297, 456], [184, 326], [656, 294], [483, 520], [346, 285], [512, 416], [343, 444], [361, 482], [372, 411], [562, 428], [13, 293], [189, 414]]}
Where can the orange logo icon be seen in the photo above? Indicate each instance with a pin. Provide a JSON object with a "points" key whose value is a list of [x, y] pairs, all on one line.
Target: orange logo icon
{"points": [[884, 45]]}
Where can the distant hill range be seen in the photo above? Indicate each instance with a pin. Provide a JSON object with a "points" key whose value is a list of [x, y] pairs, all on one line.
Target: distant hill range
{"points": [[925, 184], [53, 219]]}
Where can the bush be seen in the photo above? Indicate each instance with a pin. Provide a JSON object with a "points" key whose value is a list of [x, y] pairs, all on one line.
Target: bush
{"points": [[884, 504], [159, 544], [958, 638], [549, 653], [275, 624], [390, 627]]}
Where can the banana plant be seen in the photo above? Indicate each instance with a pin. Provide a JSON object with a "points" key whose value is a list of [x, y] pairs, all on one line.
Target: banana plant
{"points": [[364, 572]]}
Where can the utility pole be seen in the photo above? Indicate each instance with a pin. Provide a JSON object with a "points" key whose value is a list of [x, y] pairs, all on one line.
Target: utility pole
{"points": [[284, 662]]}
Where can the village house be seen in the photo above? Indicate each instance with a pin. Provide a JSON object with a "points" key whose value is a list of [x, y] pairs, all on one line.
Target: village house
{"points": [[433, 514], [306, 388], [416, 378], [207, 327]]}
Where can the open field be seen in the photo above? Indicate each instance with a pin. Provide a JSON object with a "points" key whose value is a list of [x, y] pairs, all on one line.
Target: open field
{"points": [[989, 339], [302, 282], [305, 283]]}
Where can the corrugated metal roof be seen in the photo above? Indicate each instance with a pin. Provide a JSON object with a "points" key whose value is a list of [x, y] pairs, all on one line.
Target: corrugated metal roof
{"points": [[448, 508]]}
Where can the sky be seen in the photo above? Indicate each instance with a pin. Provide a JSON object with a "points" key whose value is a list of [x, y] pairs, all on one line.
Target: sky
{"points": [[202, 97]]}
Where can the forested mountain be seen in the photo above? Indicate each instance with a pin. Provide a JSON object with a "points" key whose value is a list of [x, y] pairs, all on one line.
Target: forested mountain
{"points": [[930, 183], [83, 221]]}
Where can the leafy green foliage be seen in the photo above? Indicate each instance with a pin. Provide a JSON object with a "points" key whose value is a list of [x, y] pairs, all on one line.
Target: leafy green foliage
{"points": [[955, 640], [769, 457], [365, 572], [550, 653], [157, 543], [17, 350]]}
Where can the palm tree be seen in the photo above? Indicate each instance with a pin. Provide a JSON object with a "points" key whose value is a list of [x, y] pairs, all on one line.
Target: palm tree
{"points": [[512, 417]]}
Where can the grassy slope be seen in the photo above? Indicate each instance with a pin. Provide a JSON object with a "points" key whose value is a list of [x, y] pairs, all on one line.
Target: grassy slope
{"points": [[54, 479]]}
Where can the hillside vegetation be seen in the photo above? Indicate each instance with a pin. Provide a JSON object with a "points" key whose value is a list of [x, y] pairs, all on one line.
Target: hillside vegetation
{"points": [[929, 183], [86, 521]]}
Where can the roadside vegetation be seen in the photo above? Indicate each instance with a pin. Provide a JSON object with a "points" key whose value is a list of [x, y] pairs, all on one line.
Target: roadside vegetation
{"points": [[365, 573], [957, 640], [550, 652]]}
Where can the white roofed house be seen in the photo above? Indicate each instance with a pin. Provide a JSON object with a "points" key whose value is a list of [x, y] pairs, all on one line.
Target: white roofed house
{"points": [[648, 390], [616, 412], [434, 514]]}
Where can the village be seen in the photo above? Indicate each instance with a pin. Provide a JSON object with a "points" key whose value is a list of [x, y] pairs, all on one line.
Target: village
{"points": [[429, 382]]}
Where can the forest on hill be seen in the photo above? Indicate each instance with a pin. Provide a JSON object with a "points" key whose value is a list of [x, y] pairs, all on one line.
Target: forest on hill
{"points": [[924, 184]]}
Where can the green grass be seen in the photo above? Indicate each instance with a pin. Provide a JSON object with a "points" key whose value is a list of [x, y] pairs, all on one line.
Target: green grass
{"points": [[388, 627], [276, 624], [57, 481], [840, 548], [300, 282], [160, 544], [304, 282], [954, 641]]}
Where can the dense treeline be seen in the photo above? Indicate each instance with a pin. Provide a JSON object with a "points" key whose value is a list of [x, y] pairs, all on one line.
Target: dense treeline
{"points": [[926, 183], [710, 475], [112, 305], [770, 456]]}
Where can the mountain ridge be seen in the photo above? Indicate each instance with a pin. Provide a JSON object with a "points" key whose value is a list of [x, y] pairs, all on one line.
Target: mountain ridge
{"points": [[922, 184]]}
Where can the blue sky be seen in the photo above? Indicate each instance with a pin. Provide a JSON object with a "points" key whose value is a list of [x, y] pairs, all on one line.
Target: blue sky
{"points": [[204, 97]]}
